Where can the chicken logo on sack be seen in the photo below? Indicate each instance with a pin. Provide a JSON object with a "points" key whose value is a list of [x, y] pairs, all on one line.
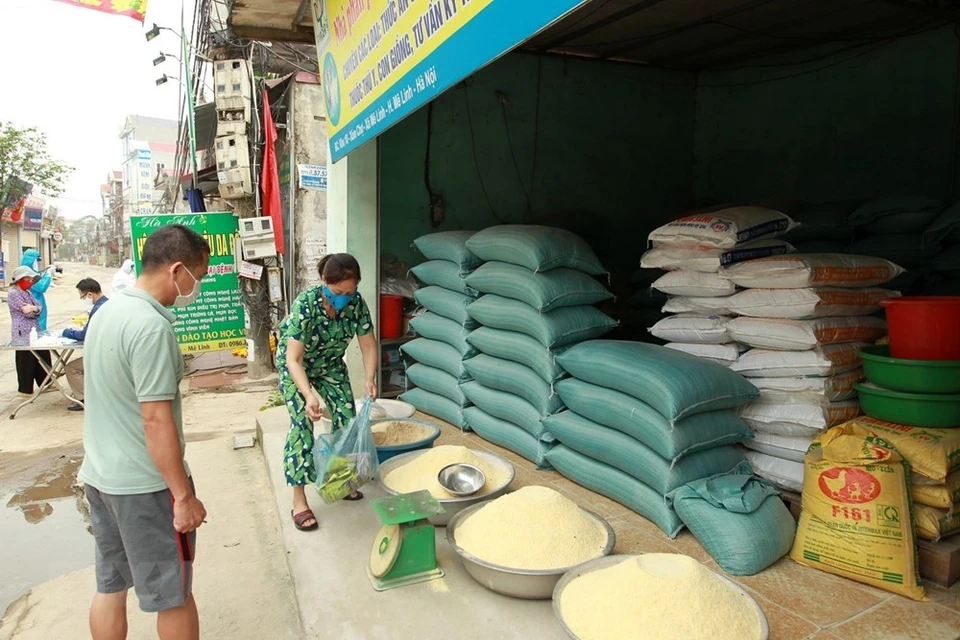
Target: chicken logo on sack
{"points": [[849, 485]]}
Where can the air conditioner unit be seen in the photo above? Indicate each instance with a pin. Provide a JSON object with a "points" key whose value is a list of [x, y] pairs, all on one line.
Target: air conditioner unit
{"points": [[257, 238]]}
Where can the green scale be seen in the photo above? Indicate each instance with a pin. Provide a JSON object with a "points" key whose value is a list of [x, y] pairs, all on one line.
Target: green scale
{"points": [[405, 549]]}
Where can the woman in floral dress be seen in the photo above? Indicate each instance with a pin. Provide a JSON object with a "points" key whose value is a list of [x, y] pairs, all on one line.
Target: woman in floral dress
{"points": [[25, 312]]}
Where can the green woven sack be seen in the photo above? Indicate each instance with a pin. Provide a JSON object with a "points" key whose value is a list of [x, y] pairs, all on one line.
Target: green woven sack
{"points": [[536, 248], [436, 405], [449, 304], [437, 354], [739, 519], [450, 246], [641, 421], [437, 381], [556, 328], [507, 435], [907, 250], [442, 273], [517, 347], [897, 214], [635, 458], [506, 406], [543, 291], [616, 485], [521, 381], [436, 327], [945, 228], [676, 384]]}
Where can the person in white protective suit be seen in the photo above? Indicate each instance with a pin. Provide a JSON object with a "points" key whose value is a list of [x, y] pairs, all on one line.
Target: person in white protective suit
{"points": [[124, 277]]}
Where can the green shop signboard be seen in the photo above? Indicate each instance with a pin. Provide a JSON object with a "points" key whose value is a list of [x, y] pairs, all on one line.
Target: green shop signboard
{"points": [[215, 322]]}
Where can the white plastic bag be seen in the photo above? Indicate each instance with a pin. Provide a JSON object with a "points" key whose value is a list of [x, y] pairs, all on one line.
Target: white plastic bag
{"points": [[806, 419], [822, 361], [693, 328], [694, 283], [808, 303], [708, 259], [800, 271], [795, 335], [723, 354], [723, 227], [797, 389]]}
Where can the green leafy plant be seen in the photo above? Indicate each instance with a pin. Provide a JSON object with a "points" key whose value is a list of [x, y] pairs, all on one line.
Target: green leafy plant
{"points": [[24, 155]]}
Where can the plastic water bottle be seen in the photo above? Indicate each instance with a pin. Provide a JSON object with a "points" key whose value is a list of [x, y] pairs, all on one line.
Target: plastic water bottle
{"points": [[33, 336]]}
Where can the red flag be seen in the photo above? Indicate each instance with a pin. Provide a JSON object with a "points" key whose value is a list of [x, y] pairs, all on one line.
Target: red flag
{"points": [[270, 177], [132, 8]]}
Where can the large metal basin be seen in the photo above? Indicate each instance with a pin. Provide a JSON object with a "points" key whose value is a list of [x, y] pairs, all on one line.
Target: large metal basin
{"points": [[517, 583], [452, 506], [609, 561]]}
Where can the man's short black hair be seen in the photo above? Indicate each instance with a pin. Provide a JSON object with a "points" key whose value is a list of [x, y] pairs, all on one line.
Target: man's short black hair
{"points": [[89, 285], [173, 243]]}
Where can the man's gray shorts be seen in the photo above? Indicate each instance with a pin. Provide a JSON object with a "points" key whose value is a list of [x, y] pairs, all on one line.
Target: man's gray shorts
{"points": [[137, 546]]}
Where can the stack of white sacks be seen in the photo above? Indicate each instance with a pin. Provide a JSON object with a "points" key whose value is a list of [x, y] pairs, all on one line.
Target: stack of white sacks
{"points": [[805, 317], [693, 249], [538, 285], [441, 350]]}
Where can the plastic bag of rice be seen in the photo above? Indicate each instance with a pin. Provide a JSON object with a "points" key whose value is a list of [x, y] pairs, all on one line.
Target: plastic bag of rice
{"points": [[828, 360], [723, 354], [800, 271], [705, 259], [784, 447], [723, 227], [933, 524], [932, 453], [693, 328], [797, 418], [833, 388], [709, 306], [694, 283], [797, 335], [942, 495], [808, 303]]}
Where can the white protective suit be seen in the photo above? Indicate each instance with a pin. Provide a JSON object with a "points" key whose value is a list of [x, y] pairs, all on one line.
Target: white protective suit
{"points": [[124, 277]]}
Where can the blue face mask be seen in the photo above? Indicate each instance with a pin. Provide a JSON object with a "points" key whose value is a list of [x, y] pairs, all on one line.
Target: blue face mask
{"points": [[338, 302]]}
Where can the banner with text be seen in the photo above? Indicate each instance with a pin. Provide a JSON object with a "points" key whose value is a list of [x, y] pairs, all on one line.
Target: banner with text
{"points": [[383, 59], [135, 9], [215, 322]]}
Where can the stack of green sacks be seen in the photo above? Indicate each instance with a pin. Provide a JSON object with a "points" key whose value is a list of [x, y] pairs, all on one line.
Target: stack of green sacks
{"points": [[441, 350], [643, 421], [538, 285]]}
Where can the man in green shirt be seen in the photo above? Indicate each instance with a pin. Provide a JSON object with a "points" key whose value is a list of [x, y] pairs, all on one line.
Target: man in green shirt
{"points": [[142, 504]]}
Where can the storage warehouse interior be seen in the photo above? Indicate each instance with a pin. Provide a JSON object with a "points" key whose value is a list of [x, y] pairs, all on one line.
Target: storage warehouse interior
{"points": [[624, 115]]}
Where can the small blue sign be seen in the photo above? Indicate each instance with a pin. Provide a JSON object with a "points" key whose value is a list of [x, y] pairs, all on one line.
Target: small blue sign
{"points": [[312, 176]]}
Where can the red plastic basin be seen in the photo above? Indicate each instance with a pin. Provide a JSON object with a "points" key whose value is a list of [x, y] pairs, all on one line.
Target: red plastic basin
{"points": [[391, 316], [924, 327]]}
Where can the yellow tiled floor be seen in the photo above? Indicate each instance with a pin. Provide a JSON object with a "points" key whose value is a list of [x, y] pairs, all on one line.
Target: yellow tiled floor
{"points": [[799, 602]]}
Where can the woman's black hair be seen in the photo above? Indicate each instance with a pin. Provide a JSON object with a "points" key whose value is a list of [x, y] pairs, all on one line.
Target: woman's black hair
{"points": [[337, 267]]}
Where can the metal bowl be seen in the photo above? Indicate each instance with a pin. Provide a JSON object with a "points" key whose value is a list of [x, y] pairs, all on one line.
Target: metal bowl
{"points": [[609, 561], [461, 479], [452, 506], [518, 583]]}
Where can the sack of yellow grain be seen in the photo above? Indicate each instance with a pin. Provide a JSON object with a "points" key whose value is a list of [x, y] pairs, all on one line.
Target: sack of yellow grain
{"points": [[933, 524], [941, 495], [856, 517], [932, 453]]}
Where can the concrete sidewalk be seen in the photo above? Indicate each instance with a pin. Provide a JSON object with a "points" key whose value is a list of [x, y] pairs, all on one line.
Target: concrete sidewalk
{"points": [[336, 599]]}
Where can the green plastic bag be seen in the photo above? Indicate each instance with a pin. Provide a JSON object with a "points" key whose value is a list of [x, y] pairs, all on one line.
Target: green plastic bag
{"points": [[433, 404], [506, 406], [443, 273], [437, 354], [517, 347], [616, 485], [448, 245], [507, 435], [535, 247], [635, 458], [545, 291], [521, 381], [739, 519], [448, 304], [556, 328], [436, 327], [678, 385], [437, 381], [639, 420]]}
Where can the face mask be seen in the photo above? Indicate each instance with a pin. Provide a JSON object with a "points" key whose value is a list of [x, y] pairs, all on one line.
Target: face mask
{"points": [[187, 300], [36, 266], [25, 284], [338, 302], [87, 303]]}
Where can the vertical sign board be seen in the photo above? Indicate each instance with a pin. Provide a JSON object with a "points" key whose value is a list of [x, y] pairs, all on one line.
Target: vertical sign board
{"points": [[215, 322], [380, 60]]}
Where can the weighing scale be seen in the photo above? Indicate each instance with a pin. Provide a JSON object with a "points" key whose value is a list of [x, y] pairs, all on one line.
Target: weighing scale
{"points": [[405, 549]]}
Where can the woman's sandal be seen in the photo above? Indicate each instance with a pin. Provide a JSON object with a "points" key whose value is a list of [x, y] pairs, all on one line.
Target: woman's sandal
{"points": [[353, 497], [303, 516]]}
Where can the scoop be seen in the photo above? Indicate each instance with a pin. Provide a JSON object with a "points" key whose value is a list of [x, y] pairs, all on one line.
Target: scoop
{"points": [[461, 479]]}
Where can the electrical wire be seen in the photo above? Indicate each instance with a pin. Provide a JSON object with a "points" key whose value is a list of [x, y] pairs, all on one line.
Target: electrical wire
{"points": [[502, 99], [473, 147]]}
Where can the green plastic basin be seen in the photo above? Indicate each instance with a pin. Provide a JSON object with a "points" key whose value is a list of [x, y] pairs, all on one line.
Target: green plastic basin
{"points": [[912, 409], [910, 376]]}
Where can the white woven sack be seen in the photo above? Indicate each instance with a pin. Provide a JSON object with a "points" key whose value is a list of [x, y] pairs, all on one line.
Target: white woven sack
{"points": [[817, 302], [784, 474], [783, 447], [723, 354], [770, 333], [707, 259], [800, 271], [822, 361], [796, 389], [694, 283], [806, 419], [706, 305], [724, 228], [692, 328]]}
